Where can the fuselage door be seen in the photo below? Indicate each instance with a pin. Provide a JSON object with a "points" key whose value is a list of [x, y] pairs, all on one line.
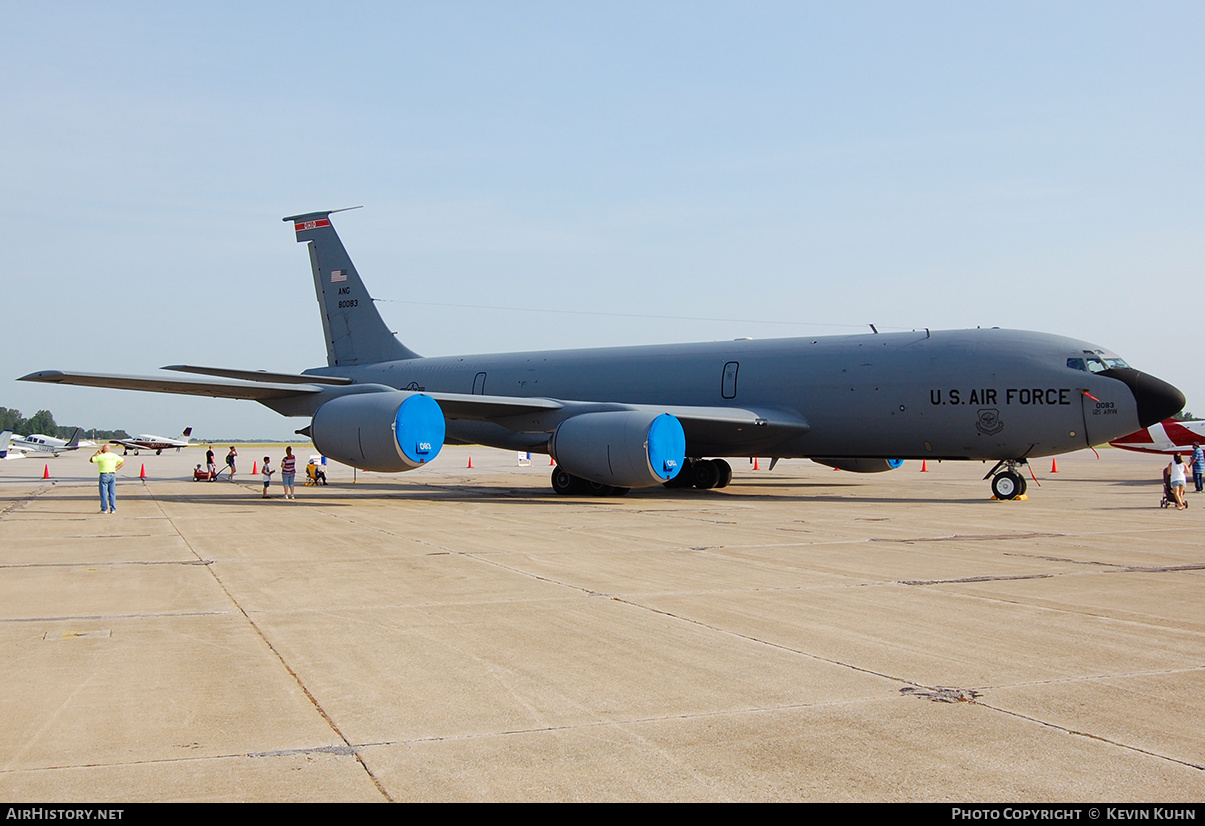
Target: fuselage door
{"points": [[479, 384], [728, 384]]}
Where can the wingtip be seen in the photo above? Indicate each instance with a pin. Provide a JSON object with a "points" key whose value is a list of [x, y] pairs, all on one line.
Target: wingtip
{"points": [[42, 375]]}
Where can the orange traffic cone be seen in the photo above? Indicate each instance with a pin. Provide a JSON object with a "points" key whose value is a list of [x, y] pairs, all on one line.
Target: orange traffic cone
{"points": [[142, 473], [470, 462], [755, 463], [551, 461], [46, 472], [254, 468], [1054, 465], [924, 466]]}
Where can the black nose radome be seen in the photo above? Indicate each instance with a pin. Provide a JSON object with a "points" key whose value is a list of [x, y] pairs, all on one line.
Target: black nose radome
{"points": [[1157, 400]]}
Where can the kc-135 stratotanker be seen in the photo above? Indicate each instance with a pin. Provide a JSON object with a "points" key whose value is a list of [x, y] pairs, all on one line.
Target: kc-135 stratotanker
{"points": [[623, 417]]}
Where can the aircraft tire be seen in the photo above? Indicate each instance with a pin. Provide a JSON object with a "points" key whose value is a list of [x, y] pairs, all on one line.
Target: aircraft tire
{"points": [[158, 452], [566, 484], [725, 473], [1008, 485], [706, 474], [598, 489]]}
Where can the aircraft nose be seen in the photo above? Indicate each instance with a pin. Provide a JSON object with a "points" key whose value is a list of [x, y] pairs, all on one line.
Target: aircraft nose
{"points": [[1157, 400]]}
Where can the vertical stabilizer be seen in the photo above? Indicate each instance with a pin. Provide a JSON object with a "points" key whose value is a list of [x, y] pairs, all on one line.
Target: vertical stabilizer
{"points": [[354, 330]]}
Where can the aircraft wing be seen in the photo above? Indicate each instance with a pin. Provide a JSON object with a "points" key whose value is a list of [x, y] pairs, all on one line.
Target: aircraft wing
{"points": [[703, 425], [732, 426], [484, 408], [737, 425], [228, 389], [479, 408]]}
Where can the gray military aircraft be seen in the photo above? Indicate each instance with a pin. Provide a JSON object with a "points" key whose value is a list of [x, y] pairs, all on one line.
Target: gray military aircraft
{"points": [[623, 417]]}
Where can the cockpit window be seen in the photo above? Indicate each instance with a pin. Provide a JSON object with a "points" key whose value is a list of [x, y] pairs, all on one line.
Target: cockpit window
{"points": [[1095, 363], [1077, 364], [1115, 362]]}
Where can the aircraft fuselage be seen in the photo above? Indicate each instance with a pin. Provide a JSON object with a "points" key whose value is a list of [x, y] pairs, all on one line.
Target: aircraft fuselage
{"points": [[967, 394]]}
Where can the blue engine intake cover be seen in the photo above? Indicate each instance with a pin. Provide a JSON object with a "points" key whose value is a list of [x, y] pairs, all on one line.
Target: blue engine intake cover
{"points": [[419, 429], [667, 446]]}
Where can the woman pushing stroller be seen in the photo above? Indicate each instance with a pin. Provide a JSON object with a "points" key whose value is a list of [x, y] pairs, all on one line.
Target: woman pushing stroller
{"points": [[1174, 476]]}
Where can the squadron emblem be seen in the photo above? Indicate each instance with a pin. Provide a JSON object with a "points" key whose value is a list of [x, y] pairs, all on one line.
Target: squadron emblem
{"points": [[989, 423]]}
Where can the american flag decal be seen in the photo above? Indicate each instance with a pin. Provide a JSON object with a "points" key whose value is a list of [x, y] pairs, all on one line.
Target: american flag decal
{"points": [[337, 276]]}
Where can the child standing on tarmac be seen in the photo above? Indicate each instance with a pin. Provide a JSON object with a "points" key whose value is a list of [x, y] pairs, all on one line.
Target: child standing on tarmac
{"points": [[267, 474]]}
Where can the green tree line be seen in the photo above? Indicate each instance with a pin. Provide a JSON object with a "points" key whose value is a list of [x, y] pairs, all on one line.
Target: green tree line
{"points": [[43, 422]]}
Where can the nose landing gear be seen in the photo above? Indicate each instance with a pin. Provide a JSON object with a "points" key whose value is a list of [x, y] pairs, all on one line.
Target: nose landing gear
{"points": [[1008, 483]]}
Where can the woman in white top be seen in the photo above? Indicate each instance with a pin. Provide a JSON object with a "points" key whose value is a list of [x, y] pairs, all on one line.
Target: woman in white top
{"points": [[1176, 474]]}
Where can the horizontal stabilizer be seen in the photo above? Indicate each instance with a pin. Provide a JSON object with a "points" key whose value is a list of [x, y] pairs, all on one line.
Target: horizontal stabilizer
{"points": [[256, 391], [258, 375]]}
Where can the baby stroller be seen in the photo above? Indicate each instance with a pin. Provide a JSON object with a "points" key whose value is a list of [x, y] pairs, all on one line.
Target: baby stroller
{"points": [[1168, 499]]}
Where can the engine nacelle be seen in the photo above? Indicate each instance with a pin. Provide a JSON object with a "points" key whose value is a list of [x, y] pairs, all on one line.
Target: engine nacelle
{"points": [[861, 465], [627, 449], [380, 431]]}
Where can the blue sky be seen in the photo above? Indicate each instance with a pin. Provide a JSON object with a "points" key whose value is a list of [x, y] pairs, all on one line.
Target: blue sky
{"points": [[545, 175]]}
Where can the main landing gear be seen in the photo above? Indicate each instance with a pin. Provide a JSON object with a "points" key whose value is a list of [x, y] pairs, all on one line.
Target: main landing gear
{"points": [[703, 474], [1008, 483], [567, 484], [695, 473]]}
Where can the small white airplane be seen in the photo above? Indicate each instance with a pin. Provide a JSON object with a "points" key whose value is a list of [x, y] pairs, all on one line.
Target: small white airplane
{"points": [[1168, 436], [40, 443], [5, 451], [158, 444]]}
